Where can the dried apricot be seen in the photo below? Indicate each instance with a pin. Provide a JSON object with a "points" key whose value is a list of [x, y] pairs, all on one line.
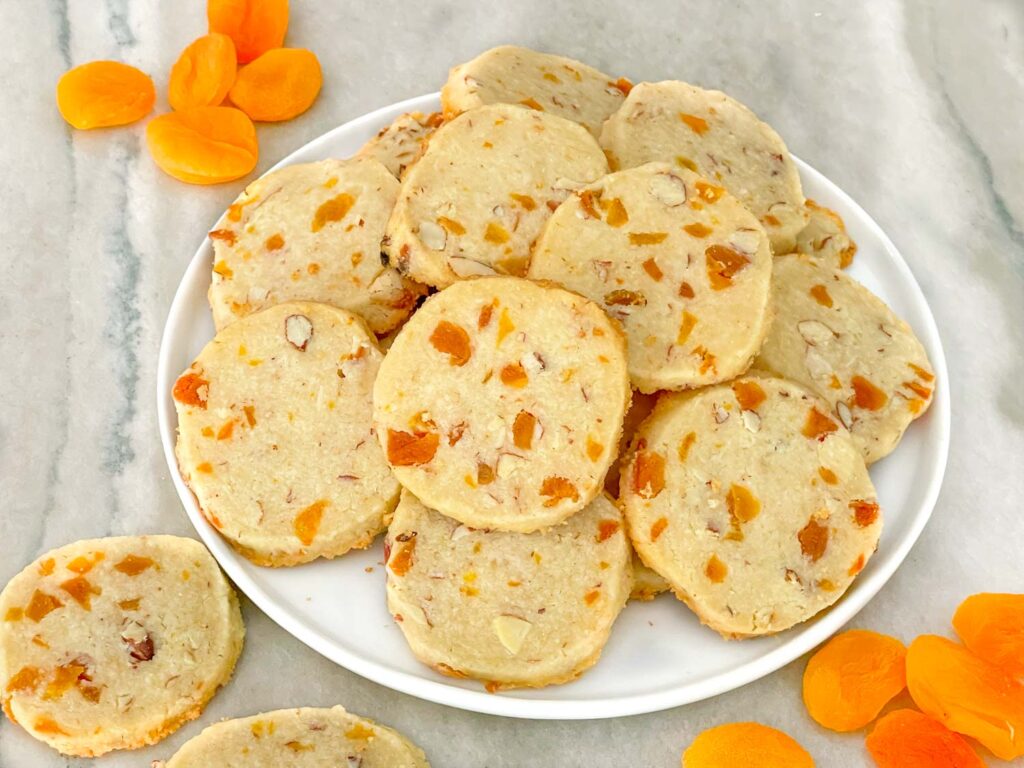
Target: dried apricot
{"points": [[104, 93], [648, 474], [255, 26], [740, 745], [907, 739], [279, 85], [451, 339], [204, 73], [851, 677], [992, 626], [203, 145], [722, 265], [967, 694]]}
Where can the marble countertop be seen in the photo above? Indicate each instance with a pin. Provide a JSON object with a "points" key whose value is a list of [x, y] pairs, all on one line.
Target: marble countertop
{"points": [[913, 107]]}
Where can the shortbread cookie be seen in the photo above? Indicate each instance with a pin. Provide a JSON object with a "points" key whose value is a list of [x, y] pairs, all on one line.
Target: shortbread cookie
{"points": [[825, 237], [476, 200], [312, 232], [647, 584], [719, 138], [752, 502], [512, 75], [298, 738], [399, 144], [688, 283], [640, 408], [275, 435], [114, 643], [835, 337], [509, 609], [501, 401]]}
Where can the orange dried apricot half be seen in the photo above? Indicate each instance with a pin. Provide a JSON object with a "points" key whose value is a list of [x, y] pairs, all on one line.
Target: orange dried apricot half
{"points": [[992, 626], [967, 694], [203, 145], [908, 739], [279, 85], [255, 26], [104, 93], [741, 745], [204, 73], [851, 677]]}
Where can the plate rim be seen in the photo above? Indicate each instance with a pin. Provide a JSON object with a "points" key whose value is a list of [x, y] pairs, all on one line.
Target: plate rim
{"points": [[562, 709]]}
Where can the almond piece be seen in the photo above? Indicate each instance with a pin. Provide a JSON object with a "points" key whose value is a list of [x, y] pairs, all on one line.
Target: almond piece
{"points": [[511, 631], [721, 415], [508, 463], [298, 330], [668, 189], [843, 412], [433, 236], [745, 241], [464, 267], [751, 421], [817, 365], [814, 332]]}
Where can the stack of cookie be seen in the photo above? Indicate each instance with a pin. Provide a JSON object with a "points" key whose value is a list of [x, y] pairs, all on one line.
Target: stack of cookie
{"points": [[442, 337]]}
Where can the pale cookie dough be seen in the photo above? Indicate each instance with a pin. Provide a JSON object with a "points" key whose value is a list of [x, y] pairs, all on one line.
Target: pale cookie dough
{"points": [[311, 231], [513, 75], [298, 738], [477, 199], [677, 260], [509, 609], [115, 643], [835, 337], [752, 502], [275, 435], [825, 237], [719, 138], [399, 144], [500, 403]]}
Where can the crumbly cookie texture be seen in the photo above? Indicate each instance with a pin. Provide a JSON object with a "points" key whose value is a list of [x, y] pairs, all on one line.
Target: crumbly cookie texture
{"points": [[542, 81], [509, 609], [825, 237], [298, 738], [833, 336], [115, 643], [719, 138], [476, 200], [501, 402], [275, 436], [752, 502], [313, 232], [400, 144], [677, 260]]}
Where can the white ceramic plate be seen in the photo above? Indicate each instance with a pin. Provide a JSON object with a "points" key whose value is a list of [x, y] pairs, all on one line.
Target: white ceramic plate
{"points": [[659, 656]]}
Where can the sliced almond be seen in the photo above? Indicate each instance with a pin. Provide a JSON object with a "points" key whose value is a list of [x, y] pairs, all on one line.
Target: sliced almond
{"points": [[460, 532], [721, 415], [298, 330], [815, 332], [817, 365], [511, 632], [464, 267], [843, 412], [668, 189], [509, 463], [751, 421], [433, 235], [745, 240]]}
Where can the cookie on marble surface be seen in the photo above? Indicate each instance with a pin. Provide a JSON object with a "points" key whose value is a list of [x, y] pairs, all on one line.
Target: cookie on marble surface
{"points": [[673, 257], [275, 436], [835, 337], [510, 609], [400, 143], [500, 403], [114, 643], [476, 200], [311, 232], [825, 237], [719, 138], [752, 502], [560, 86], [298, 738]]}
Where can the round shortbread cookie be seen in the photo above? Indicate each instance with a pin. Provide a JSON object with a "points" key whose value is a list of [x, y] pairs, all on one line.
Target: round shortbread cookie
{"points": [[719, 138], [752, 502], [509, 609], [312, 232], [647, 583], [677, 260], [298, 738], [398, 145], [114, 643], [275, 436], [512, 75], [476, 200], [501, 402], [835, 337], [825, 237]]}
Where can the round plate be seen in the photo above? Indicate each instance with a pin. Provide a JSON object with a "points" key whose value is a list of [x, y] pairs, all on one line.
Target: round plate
{"points": [[659, 656]]}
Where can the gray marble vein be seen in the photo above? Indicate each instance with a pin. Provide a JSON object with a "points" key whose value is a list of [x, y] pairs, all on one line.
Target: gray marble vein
{"points": [[914, 107]]}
